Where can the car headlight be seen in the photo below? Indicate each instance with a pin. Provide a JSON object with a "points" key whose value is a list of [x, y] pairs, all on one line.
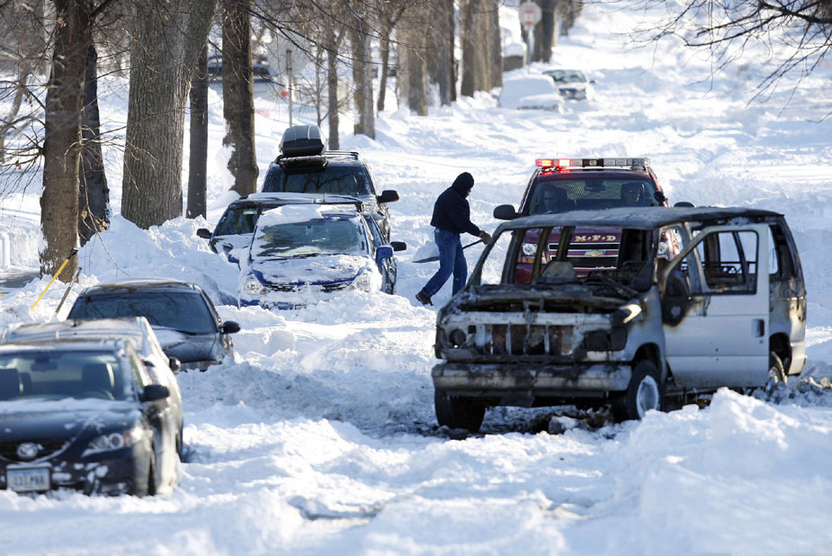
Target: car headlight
{"points": [[364, 282], [253, 286], [114, 441]]}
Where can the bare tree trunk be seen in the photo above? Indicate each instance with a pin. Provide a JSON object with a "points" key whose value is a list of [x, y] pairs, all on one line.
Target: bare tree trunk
{"points": [[167, 40], [362, 71], [496, 61], [332, 89], [441, 50], [468, 25], [94, 194], [482, 51], [544, 32], [385, 68], [198, 159], [238, 94], [62, 129]]}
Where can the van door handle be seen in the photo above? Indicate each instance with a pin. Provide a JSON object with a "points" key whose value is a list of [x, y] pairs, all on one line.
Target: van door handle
{"points": [[758, 328]]}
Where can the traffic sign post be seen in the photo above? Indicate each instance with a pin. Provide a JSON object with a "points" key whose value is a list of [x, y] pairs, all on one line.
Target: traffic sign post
{"points": [[530, 15]]}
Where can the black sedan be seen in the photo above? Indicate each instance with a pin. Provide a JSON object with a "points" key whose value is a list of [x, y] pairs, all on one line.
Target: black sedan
{"points": [[84, 415], [182, 316]]}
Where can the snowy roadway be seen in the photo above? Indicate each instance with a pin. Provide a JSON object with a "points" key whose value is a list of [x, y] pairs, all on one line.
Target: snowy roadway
{"points": [[320, 437]]}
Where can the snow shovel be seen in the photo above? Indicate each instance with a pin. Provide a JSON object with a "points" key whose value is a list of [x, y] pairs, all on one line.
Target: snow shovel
{"points": [[436, 257]]}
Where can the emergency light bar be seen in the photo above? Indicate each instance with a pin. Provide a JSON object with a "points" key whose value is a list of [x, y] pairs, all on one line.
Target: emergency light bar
{"points": [[563, 163]]}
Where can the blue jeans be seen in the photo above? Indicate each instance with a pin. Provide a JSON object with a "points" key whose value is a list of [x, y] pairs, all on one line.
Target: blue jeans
{"points": [[451, 260]]}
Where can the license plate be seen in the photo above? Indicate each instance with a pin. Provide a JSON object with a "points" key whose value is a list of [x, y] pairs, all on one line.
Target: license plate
{"points": [[27, 480]]}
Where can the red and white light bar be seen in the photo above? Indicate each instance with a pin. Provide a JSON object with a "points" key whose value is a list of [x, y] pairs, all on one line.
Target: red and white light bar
{"points": [[561, 163]]}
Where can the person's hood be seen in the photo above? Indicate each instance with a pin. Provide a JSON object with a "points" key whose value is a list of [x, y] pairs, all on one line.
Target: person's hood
{"points": [[463, 184]]}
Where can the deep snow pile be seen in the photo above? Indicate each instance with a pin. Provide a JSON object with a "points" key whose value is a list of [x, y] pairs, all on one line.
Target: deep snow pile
{"points": [[318, 438]]}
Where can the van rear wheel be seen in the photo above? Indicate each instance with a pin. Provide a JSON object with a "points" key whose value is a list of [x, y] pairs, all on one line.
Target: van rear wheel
{"points": [[776, 372], [645, 392]]}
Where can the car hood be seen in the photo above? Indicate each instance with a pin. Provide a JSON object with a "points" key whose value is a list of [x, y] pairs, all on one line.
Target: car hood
{"points": [[316, 270], [65, 419], [564, 298], [187, 347]]}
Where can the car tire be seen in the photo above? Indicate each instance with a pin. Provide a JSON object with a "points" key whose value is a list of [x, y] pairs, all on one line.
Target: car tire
{"points": [[645, 392], [776, 372], [149, 486], [458, 413]]}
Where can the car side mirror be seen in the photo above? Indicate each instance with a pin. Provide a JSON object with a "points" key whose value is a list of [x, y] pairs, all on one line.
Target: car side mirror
{"points": [[174, 364], [684, 204], [204, 233], [384, 252], [660, 197], [592, 82], [398, 245], [153, 392], [229, 327], [388, 196], [505, 212]]}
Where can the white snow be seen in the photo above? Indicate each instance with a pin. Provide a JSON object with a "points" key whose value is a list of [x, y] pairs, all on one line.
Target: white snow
{"points": [[319, 437]]}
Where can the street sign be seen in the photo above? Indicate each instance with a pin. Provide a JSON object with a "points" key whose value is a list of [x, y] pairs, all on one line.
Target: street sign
{"points": [[529, 14]]}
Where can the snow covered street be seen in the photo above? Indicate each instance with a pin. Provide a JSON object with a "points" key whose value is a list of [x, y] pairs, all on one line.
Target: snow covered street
{"points": [[320, 436]]}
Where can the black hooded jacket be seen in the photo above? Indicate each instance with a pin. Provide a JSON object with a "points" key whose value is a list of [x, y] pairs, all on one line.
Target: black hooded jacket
{"points": [[451, 212]]}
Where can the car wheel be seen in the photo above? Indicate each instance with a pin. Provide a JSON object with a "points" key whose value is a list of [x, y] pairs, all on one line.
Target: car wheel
{"points": [[458, 413], [776, 373], [645, 392], [180, 442], [149, 487]]}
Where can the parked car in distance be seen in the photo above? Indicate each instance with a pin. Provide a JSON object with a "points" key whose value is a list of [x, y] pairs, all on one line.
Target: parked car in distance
{"points": [[233, 231], [182, 316], [563, 184], [572, 84], [84, 415], [134, 329], [697, 299], [305, 166], [530, 92], [300, 253]]}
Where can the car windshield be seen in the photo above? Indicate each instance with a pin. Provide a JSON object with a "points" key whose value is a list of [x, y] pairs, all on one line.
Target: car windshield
{"points": [[552, 194], [183, 311], [567, 76], [343, 180], [237, 221], [314, 237], [63, 374]]}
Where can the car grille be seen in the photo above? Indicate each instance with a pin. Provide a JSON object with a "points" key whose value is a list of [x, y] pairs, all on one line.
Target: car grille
{"points": [[8, 450], [527, 340], [327, 288]]}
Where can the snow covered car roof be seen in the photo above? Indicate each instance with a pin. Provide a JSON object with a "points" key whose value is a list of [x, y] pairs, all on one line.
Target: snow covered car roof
{"points": [[149, 284], [645, 218], [517, 88], [130, 327]]}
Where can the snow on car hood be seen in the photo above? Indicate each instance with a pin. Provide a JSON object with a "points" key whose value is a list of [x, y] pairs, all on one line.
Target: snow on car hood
{"points": [[64, 418], [318, 269]]}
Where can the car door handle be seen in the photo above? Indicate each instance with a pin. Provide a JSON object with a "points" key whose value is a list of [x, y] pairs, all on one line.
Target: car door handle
{"points": [[758, 328]]}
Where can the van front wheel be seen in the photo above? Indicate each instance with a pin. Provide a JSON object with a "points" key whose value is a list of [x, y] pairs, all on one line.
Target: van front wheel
{"points": [[645, 392]]}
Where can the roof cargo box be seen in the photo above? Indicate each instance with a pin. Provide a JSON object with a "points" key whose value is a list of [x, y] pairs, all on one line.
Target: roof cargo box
{"points": [[302, 140]]}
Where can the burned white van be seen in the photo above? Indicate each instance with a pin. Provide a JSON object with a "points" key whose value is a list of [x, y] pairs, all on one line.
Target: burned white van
{"points": [[688, 300]]}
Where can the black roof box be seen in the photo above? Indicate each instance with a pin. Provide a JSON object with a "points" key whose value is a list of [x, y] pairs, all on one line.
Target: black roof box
{"points": [[302, 140]]}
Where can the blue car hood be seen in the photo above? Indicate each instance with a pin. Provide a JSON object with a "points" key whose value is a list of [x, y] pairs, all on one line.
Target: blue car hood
{"points": [[315, 270]]}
